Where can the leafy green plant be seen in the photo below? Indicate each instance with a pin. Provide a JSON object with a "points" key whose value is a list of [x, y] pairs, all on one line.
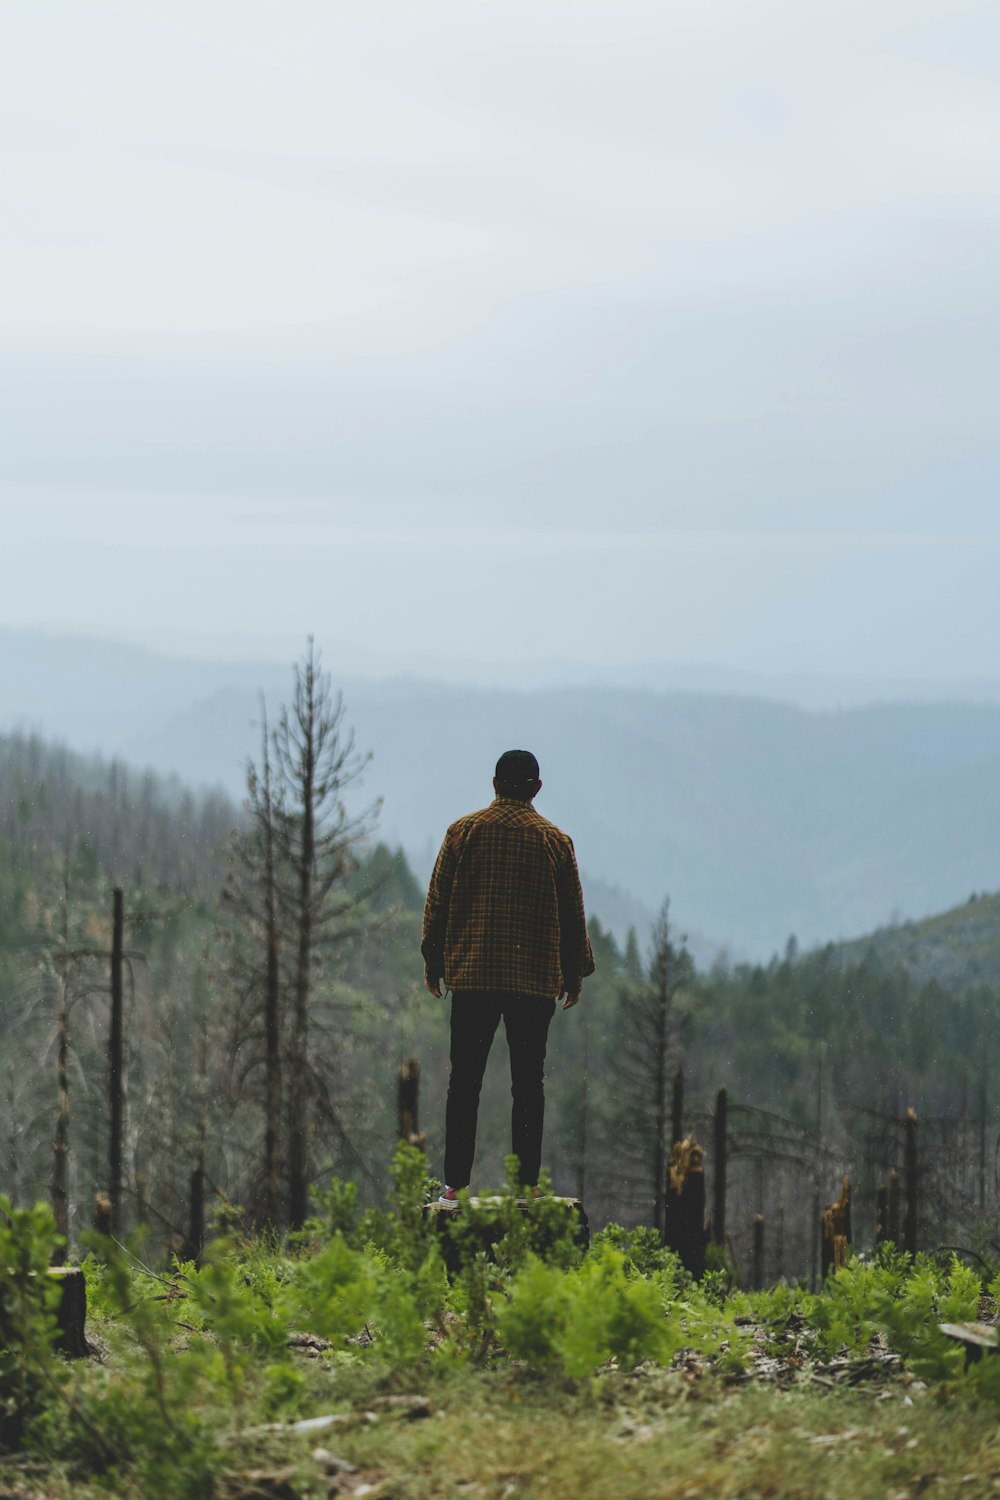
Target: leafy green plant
{"points": [[285, 1390], [644, 1254], [149, 1418], [904, 1300], [775, 1307], [242, 1318], [29, 1370], [401, 1336], [575, 1320], [471, 1301], [331, 1293], [409, 1231], [337, 1210]]}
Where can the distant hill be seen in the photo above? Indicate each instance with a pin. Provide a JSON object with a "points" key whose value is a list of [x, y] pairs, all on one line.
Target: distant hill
{"points": [[957, 949], [758, 819]]}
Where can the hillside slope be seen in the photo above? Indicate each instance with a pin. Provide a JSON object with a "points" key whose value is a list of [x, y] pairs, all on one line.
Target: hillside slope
{"points": [[757, 818], [955, 949]]}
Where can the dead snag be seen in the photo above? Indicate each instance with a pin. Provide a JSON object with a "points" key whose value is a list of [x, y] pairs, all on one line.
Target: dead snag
{"points": [[684, 1221], [836, 1235]]}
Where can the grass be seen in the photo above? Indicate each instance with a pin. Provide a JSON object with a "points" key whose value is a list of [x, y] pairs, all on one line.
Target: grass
{"points": [[655, 1434], [659, 1435], [609, 1376]]}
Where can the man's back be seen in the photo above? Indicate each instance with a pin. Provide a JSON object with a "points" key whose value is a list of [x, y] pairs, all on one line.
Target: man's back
{"points": [[504, 909], [505, 931]]}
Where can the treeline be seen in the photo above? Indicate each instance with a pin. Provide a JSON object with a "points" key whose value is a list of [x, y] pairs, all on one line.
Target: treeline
{"points": [[190, 958], [133, 827], [272, 989], [879, 1036]]}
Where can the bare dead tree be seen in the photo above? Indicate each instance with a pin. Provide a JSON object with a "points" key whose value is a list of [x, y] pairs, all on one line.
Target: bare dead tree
{"points": [[254, 968], [116, 1064], [60, 1146], [74, 968], [287, 1015], [644, 1083], [316, 764]]}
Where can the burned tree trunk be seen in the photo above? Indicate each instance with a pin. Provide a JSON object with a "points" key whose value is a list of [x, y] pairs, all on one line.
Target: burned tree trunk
{"points": [[684, 1225], [116, 1067], [912, 1175], [298, 1134], [71, 1314], [758, 1252], [719, 1191], [836, 1237], [253, 892], [408, 1105], [60, 1147], [195, 1242], [677, 1111], [272, 1004], [583, 1125], [315, 762]]}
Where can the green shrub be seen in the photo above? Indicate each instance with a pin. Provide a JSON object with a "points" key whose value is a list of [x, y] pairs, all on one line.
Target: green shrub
{"points": [[471, 1298], [285, 1389], [905, 1300], [644, 1254], [337, 1206], [151, 1417], [409, 1229], [575, 1320], [149, 1427], [400, 1334], [30, 1373], [331, 1293]]}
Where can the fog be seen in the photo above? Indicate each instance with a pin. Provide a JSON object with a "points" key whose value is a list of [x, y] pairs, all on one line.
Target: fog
{"points": [[477, 336]]}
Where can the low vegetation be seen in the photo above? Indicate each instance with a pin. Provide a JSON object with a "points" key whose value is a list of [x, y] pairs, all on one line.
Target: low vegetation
{"points": [[485, 1353]]}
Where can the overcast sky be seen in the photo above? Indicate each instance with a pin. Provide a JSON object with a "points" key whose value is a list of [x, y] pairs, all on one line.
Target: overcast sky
{"points": [[543, 328]]}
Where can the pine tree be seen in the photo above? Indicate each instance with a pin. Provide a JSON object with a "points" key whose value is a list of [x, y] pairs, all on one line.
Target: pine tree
{"points": [[647, 1033], [289, 884], [316, 764], [252, 895]]}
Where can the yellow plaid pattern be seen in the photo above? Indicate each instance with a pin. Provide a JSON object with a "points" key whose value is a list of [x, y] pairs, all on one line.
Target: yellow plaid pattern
{"points": [[504, 908]]}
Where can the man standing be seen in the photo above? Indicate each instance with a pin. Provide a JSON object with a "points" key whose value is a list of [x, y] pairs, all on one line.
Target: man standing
{"points": [[505, 931]]}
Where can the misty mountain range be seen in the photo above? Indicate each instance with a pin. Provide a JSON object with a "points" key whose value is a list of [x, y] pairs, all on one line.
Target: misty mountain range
{"points": [[758, 818]]}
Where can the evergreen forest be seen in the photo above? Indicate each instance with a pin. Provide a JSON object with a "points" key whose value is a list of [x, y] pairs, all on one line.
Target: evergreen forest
{"points": [[224, 1092], [264, 1029]]}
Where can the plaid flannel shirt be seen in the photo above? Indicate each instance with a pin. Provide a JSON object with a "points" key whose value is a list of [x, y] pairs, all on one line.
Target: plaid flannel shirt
{"points": [[504, 908]]}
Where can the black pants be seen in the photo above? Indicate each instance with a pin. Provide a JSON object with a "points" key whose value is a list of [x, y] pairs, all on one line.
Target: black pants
{"points": [[475, 1016]]}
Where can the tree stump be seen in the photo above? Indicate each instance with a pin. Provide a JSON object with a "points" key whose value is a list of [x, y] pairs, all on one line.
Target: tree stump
{"points": [[684, 1228], [836, 1231], [408, 1104], [758, 1252], [977, 1338], [71, 1314], [912, 1176], [492, 1229]]}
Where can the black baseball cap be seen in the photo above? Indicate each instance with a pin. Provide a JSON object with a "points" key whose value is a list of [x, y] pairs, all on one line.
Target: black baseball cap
{"points": [[517, 768]]}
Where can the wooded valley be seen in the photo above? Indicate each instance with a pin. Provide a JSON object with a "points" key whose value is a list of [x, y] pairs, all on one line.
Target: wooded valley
{"points": [[267, 958]]}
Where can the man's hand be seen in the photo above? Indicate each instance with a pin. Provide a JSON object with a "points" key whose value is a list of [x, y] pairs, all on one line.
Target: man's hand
{"points": [[570, 1000], [434, 985]]}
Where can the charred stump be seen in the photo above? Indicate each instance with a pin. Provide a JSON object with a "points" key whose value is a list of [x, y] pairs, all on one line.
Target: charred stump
{"points": [[684, 1228], [71, 1314], [912, 1181], [836, 1231], [408, 1105]]}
